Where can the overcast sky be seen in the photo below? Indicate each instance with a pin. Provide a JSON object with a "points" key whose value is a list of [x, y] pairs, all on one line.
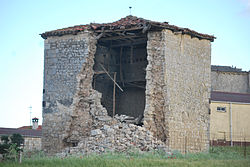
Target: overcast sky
{"points": [[21, 47]]}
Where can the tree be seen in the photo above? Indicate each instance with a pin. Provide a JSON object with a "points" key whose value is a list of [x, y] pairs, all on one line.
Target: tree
{"points": [[5, 146], [17, 139], [5, 139], [11, 148]]}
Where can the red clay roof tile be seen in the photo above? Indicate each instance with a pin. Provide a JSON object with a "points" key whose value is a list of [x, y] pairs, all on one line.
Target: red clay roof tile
{"points": [[127, 23]]}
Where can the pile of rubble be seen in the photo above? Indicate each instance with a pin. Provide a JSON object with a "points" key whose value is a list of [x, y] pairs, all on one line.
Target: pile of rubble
{"points": [[94, 131], [117, 135]]}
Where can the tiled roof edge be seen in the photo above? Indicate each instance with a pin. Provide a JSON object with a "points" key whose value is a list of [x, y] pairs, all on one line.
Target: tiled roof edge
{"points": [[125, 24]]}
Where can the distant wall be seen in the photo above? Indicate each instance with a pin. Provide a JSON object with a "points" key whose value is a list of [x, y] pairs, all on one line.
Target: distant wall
{"points": [[237, 82], [32, 143], [220, 122]]}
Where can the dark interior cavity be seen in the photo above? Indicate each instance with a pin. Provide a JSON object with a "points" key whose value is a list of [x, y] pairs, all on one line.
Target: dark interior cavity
{"points": [[123, 59]]}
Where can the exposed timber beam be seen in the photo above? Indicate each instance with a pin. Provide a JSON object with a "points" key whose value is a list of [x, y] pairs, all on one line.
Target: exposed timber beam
{"points": [[99, 72], [129, 43], [117, 38], [121, 30], [111, 77]]}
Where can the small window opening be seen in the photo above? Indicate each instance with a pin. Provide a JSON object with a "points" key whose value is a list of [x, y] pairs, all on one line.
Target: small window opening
{"points": [[221, 109], [74, 143]]}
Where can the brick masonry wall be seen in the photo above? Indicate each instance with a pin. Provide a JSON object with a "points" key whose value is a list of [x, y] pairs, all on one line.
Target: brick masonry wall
{"points": [[178, 86], [237, 82]]}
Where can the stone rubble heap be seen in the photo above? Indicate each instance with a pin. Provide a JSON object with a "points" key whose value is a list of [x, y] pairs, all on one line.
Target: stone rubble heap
{"points": [[117, 136]]}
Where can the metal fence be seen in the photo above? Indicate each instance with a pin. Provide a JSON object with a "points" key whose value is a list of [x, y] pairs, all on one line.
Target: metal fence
{"points": [[228, 139], [199, 141], [188, 141]]}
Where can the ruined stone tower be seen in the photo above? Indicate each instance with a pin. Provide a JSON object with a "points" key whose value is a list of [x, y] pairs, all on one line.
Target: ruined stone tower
{"points": [[155, 72]]}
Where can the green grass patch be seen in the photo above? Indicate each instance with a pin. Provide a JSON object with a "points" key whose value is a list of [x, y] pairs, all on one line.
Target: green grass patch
{"points": [[218, 156]]}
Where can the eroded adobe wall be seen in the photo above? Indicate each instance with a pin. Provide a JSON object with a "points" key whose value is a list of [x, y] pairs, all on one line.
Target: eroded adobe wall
{"points": [[63, 60], [177, 91], [237, 82], [156, 99]]}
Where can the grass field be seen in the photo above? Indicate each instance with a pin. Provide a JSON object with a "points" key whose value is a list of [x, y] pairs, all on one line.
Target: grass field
{"points": [[218, 156]]}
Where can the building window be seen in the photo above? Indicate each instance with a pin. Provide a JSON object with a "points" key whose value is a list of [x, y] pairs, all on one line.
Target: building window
{"points": [[221, 109]]}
